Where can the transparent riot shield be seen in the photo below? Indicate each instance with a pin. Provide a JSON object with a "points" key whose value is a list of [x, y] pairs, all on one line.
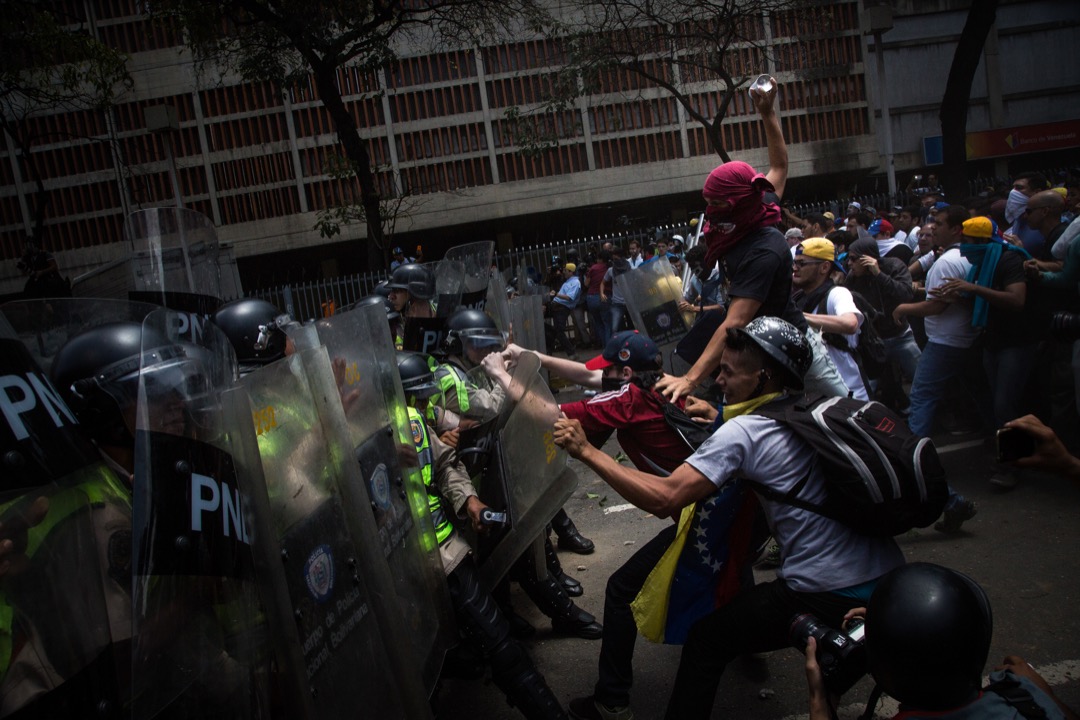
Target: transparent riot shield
{"points": [[65, 622], [475, 260], [652, 293], [333, 567], [45, 326], [364, 370], [201, 640], [498, 306], [174, 260], [527, 475], [527, 322]]}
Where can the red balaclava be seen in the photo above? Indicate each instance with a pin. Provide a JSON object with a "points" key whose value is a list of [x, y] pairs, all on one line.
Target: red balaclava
{"points": [[742, 187]]}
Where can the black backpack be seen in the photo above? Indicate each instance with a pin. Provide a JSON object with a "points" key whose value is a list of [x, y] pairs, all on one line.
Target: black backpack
{"points": [[870, 351], [691, 432], [882, 479]]}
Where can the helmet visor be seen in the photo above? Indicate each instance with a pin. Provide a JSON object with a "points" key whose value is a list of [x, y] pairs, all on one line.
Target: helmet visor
{"points": [[422, 387], [484, 338]]}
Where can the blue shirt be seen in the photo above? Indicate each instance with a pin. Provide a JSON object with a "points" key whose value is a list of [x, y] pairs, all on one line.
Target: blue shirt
{"points": [[571, 289]]}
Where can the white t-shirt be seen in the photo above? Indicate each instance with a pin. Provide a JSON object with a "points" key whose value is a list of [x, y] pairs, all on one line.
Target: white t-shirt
{"points": [[952, 327], [817, 554], [911, 239], [839, 303]]}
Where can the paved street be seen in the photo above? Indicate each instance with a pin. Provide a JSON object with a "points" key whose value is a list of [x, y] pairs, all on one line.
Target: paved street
{"points": [[1020, 547]]}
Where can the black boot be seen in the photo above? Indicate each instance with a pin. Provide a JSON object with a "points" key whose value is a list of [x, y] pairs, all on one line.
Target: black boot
{"points": [[570, 585], [552, 600], [569, 537], [514, 673]]}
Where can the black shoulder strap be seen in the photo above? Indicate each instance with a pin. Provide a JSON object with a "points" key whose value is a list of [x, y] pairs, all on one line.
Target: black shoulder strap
{"points": [[778, 410], [1018, 697]]}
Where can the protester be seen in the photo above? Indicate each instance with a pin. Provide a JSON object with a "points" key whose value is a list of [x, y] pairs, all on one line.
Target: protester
{"points": [[826, 567]]}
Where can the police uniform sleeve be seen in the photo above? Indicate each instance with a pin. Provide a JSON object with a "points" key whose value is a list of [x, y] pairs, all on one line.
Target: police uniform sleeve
{"points": [[454, 483], [485, 403]]}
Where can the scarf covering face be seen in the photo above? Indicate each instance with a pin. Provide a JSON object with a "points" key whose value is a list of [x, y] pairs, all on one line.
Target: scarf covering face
{"points": [[738, 184]]}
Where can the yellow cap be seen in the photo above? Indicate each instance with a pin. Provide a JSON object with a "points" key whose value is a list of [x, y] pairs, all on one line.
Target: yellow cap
{"points": [[571, 267], [817, 248], [979, 227]]}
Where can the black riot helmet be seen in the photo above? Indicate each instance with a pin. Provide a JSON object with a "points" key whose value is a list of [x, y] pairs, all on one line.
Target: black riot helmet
{"points": [[782, 342], [928, 632], [417, 374], [467, 327], [97, 373], [255, 330], [415, 279], [377, 300]]}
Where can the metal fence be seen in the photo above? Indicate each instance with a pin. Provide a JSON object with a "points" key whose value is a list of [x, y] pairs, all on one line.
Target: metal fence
{"points": [[319, 298]]}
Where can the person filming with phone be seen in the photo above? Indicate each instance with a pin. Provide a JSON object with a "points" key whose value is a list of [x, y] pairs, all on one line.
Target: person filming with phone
{"points": [[1027, 443]]}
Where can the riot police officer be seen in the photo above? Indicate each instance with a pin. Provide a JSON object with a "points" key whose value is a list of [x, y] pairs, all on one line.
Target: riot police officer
{"points": [[213, 667], [412, 290], [255, 329], [65, 538], [478, 614], [472, 336]]}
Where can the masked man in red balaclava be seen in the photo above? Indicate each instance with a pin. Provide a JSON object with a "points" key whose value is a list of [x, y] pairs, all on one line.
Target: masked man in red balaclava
{"points": [[741, 234]]}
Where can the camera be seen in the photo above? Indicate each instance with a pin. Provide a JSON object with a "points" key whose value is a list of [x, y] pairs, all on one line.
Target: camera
{"points": [[1065, 326], [841, 655]]}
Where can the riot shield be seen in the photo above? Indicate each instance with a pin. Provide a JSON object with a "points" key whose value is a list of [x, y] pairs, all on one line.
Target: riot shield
{"points": [[389, 481], [652, 293], [498, 306], [65, 627], [426, 334], [527, 322], [201, 642], [528, 475], [475, 260], [174, 260], [331, 572], [461, 280]]}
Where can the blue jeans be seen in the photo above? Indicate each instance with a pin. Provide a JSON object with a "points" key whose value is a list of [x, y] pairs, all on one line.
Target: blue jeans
{"points": [[1008, 370], [939, 367], [903, 351], [618, 312], [600, 319]]}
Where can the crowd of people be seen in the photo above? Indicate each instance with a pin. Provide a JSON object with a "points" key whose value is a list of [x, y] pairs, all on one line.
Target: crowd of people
{"points": [[952, 304]]}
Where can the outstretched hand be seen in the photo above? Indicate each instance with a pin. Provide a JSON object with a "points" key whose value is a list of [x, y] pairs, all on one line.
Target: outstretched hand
{"points": [[570, 436], [764, 102]]}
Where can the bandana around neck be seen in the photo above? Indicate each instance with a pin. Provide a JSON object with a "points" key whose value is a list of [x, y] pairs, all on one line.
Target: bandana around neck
{"points": [[738, 184]]}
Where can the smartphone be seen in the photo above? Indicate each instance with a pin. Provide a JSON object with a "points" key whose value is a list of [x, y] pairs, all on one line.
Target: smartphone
{"points": [[1013, 444]]}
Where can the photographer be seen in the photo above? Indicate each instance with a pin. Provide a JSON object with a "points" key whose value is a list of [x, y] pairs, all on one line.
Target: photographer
{"points": [[928, 631]]}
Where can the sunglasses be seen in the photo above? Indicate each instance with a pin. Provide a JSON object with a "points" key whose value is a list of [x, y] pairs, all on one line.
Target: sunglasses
{"points": [[1028, 211], [804, 263]]}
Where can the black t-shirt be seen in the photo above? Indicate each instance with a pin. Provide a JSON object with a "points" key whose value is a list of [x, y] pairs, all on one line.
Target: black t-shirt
{"points": [[759, 268], [1010, 328]]}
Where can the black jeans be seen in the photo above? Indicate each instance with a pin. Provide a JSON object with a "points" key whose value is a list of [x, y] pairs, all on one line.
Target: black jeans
{"points": [[757, 620], [559, 314], [616, 671]]}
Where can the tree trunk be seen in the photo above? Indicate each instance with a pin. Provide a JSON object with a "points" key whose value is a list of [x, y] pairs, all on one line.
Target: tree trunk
{"points": [[356, 152], [954, 104]]}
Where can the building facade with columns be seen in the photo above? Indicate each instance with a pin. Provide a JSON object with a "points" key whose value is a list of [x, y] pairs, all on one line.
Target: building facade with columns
{"points": [[258, 160]]}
